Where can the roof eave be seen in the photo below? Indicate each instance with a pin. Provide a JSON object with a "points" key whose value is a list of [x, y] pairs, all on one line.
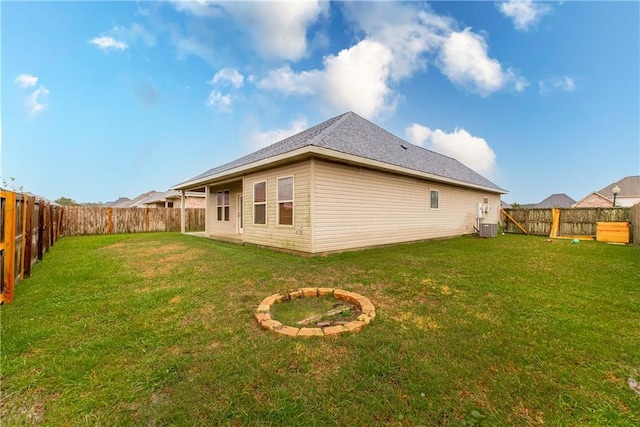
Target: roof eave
{"points": [[322, 152]]}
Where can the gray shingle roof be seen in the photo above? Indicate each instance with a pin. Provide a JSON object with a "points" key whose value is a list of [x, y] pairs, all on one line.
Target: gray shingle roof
{"points": [[117, 203], [350, 134], [559, 200], [629, 187]]}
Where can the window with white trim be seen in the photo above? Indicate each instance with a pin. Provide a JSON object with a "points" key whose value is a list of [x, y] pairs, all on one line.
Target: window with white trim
{"points": [[226, 205], [260, 203], [222, 205], [434, 199], [285, 201], [219, 205]]}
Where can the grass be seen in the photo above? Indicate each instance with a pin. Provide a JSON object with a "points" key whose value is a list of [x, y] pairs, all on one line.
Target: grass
{"points": [[158, 329]]}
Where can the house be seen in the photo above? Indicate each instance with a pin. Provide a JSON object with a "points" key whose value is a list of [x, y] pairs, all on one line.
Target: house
{"points": [[117, 203], [171, 199], [628, 195], [137, 202], [343, 184], [558, 200]]}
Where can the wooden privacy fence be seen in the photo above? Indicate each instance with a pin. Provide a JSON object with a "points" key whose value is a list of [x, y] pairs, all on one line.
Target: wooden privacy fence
{"points": [[28, 228], [572, 221], [80, 220], [635, 223]]}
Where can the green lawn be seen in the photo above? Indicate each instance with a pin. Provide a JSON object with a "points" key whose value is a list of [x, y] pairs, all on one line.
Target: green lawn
{"points": [[158, 329]]}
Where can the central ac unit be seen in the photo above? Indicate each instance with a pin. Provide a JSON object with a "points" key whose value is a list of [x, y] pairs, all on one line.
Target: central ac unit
{"points": [[488, 230]]}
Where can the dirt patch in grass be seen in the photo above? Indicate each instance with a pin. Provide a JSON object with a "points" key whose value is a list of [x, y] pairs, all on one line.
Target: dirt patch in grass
{"points": [[315, 312], [154, 260]]}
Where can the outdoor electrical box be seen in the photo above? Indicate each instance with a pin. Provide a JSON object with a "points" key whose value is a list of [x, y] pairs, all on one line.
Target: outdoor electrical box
{"points": [[488, 230]]}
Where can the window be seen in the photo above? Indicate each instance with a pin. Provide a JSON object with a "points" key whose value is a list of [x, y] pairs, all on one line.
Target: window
{"points": [[285, 201], [260, 203], [222, 203], [219, 205], [434, 199], [226, 205]]}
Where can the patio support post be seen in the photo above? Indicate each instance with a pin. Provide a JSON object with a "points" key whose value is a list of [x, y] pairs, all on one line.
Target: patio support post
{"points": [[183, 216]]}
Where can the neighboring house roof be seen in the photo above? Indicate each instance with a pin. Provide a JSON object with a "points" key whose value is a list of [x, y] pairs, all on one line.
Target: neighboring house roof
{"points": [[142, 199], [138, 201], [117, 203], [155, 198], [350, 137], [629, 194], [504, 205], [175, 194], [169, 195], [629, 187], [559, 200]]}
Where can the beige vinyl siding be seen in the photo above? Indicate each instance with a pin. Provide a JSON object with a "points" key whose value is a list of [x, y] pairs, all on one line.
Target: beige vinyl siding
{"points": [[296, 237], [213, 227], [358, 207]]}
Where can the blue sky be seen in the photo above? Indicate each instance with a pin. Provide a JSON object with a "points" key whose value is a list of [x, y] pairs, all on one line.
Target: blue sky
{"points": [[109, 99]]}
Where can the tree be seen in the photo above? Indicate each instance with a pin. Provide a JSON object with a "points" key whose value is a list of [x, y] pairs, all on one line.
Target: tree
{"points": [[11, 185], [65, 201]]}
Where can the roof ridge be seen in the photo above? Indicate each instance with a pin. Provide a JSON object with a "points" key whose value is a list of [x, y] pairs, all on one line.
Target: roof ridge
{"points": [[341, 119]]}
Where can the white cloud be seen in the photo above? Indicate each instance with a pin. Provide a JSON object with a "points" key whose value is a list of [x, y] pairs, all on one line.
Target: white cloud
{"points": [[398, 40], [405, 30], [225, 77], [524, 13], [108, 43], [356, 79], [26, 80], [287, 81], [219, 102], [565, 84], [228, 76], [133, 34], [202, 8], [418, 134], [471, 150], [191, 45], [34, 103], [464, 60], [278, 29], [258, 139]]}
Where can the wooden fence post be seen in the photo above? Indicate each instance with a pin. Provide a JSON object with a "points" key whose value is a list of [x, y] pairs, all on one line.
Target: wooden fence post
{"points": [[46, 228], [40, 229], [7, 245], [23, 243], [28, 242], [60, 218], [109, 220]]}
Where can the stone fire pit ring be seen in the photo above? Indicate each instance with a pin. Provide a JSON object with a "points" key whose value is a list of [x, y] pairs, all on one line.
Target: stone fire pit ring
{"points": [[266, 321]]}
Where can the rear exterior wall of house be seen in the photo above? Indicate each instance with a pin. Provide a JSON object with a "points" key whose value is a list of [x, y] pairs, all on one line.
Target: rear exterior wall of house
{"points": [[340, 207], [222, 219], [356, 207], [294, 237]]}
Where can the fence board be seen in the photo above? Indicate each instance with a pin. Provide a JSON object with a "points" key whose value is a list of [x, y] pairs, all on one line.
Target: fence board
{"points": [[635, 224], [81, 220]]}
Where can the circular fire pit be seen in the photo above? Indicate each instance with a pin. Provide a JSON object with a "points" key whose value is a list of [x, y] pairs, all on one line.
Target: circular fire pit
{"points": [[264, 314]]}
